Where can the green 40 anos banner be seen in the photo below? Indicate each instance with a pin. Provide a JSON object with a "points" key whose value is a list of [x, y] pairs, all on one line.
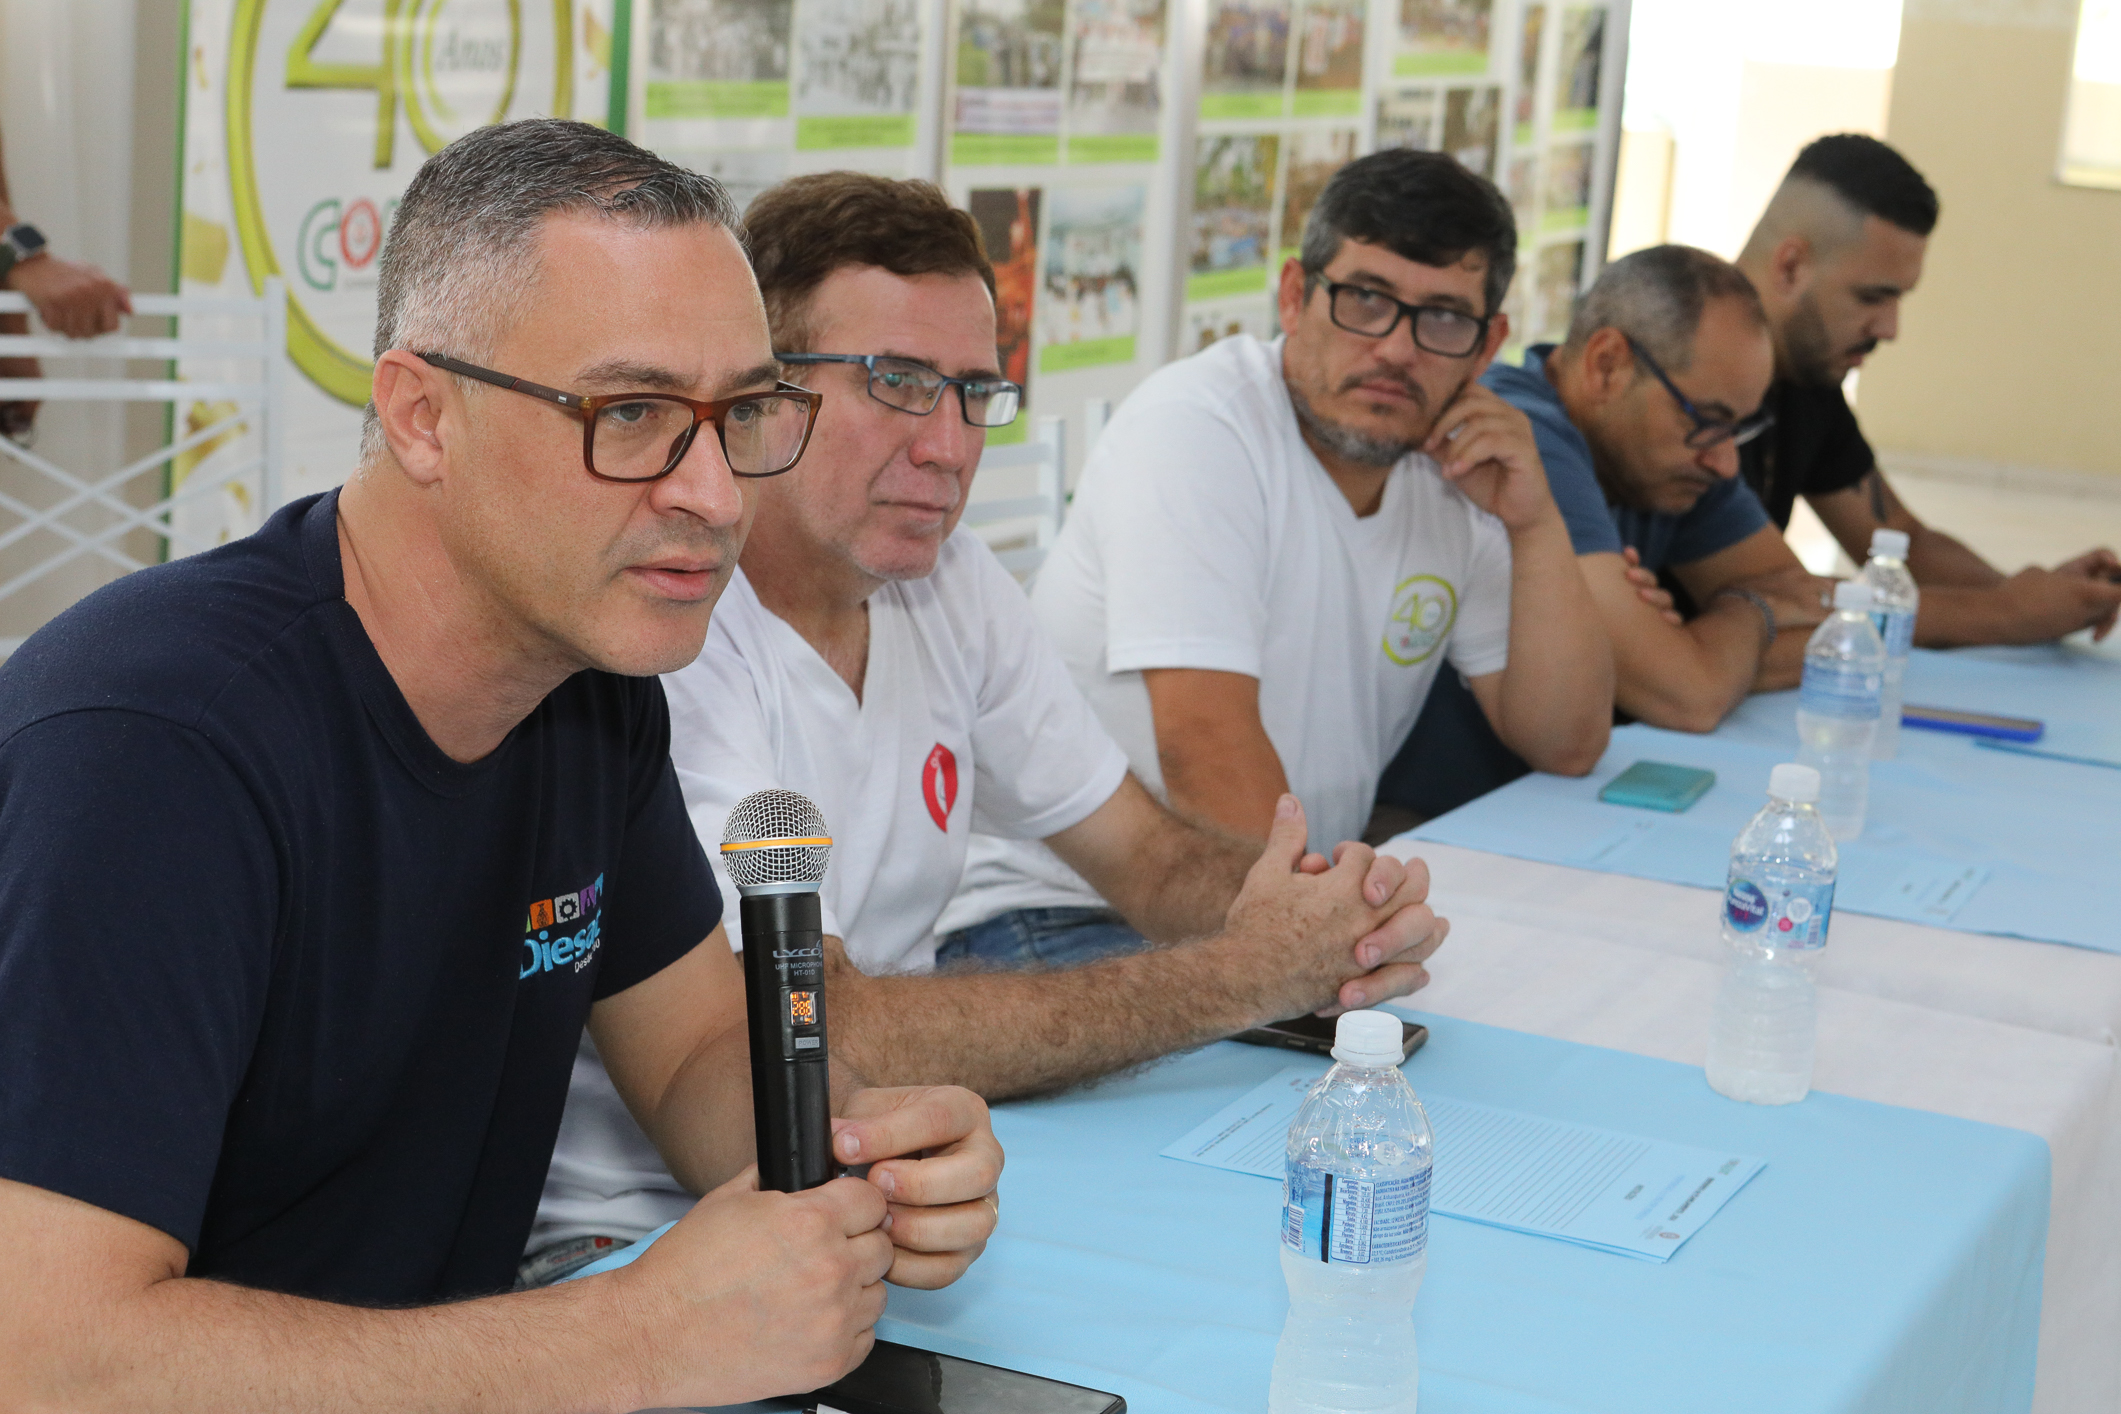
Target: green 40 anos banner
{"points": [[321, 111]]}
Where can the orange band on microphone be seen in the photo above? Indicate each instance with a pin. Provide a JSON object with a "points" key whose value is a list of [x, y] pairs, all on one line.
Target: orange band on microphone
{"points": [[790, 842]]}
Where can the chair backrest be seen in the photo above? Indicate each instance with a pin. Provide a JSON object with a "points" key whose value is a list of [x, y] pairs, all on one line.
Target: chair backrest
{"points": [[74, 515], [1021, 522]]}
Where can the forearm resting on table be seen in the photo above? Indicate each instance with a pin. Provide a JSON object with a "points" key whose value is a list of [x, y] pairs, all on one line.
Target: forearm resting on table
{"points": [[1217, 761], [1170, 878], [95, 1315], [1689, 678], [1007, 1034]]}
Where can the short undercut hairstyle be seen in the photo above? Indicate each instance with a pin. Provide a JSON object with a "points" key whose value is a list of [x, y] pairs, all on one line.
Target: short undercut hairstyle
{"points": [[1871, 177], [462, 248], [808, 227], [1656, 297], [1422, 206]]}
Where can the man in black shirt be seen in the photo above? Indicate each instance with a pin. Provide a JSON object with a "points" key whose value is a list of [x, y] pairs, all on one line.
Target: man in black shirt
{"points": [[317, 850], [1839, 245]]}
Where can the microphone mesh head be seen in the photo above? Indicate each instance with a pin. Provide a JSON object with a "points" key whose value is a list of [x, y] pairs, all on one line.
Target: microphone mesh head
{"points": [[775, 837]]}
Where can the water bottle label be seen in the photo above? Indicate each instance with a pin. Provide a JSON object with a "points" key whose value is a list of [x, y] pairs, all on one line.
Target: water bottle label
{"points": [[1897, 628], [1779, 915], [1330, 1217], [1830, 690]]}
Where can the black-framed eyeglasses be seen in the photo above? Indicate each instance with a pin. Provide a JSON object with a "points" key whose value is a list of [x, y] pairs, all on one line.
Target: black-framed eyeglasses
{"points": [[1374, 314], [916, 388], [643, 436], [1707, 431]]}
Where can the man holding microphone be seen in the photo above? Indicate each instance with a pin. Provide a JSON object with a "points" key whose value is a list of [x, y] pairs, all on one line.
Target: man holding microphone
{"points": [[318, 850]]}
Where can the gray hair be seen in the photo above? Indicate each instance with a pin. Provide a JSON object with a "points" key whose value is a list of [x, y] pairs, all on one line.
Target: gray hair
{"points": [[462, 246], [1656, 297]]}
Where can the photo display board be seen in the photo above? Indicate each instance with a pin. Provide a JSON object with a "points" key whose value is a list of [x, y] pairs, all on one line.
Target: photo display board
{"points": [[1140, 169]]}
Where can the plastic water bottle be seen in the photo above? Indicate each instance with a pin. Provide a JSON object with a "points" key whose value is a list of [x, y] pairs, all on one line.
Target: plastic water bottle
{"points": [[1894, 599], [1776, 908], [1355, 1232], [1837, 707]]}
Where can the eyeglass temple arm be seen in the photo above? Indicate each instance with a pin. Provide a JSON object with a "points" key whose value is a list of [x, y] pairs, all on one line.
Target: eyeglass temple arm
{"points": [[502, 380]]}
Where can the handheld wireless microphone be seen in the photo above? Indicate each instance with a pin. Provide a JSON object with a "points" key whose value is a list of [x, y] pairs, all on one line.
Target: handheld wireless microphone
{"points": [[776, 848]]}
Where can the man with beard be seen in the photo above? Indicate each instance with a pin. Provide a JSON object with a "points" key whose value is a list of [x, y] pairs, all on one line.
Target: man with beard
{"points": [[1839, 246], [1276, 547]]}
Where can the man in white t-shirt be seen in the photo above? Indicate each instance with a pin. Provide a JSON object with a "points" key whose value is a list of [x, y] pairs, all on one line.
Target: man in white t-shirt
{"points": [[1276, 546], [877, 659]]}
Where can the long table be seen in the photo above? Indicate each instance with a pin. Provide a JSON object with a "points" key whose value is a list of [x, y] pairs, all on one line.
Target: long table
{"points": [[1595, 952]]}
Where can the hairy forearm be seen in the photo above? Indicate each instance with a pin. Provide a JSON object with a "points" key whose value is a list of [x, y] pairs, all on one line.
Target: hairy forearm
{"points": [[1957, 616], [1181, 886], [1691, 680], [1937, 560], [1005, 1034], [1557, 692], [187, 1344]]}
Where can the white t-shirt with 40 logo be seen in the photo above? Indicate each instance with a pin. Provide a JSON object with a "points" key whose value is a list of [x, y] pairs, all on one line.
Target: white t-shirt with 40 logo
{"points": [[1205, 534]]}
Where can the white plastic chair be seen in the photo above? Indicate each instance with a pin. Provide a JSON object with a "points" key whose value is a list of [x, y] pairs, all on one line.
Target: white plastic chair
{"points": [[259, 406]]}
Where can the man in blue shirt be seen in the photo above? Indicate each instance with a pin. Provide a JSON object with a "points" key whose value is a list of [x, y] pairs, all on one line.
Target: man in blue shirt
{"points": [[1642, 411]]}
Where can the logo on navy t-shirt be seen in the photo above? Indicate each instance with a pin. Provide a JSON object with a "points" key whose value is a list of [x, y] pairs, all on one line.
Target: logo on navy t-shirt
{"points": [[563, 931]]}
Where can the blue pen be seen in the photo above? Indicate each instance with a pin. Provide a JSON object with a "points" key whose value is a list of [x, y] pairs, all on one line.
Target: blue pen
{"points": [[2019, 749]]}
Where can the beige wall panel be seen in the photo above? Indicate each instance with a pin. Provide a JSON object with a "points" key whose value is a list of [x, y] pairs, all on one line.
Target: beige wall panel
{"points": [[2007, 351]]}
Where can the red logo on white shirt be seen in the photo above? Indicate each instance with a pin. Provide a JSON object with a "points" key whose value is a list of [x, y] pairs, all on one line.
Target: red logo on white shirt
{"points": [[939, 785]]}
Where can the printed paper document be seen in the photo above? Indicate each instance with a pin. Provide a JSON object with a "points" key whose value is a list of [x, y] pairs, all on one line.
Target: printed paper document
{"points": [[1616, 1192]]}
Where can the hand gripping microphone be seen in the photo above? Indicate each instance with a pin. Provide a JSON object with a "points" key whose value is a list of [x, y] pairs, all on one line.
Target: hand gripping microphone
{"points": [[775, 848]]}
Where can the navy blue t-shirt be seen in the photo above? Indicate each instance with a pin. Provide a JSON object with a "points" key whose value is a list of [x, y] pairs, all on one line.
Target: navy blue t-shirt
{"points": [[1726, 513], [277, 976]]}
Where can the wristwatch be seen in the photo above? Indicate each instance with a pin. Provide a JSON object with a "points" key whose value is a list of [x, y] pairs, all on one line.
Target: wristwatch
{"points": [[19, 243]]}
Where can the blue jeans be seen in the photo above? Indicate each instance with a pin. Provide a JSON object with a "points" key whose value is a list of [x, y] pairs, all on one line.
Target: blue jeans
{"points": [[1039, 938]]}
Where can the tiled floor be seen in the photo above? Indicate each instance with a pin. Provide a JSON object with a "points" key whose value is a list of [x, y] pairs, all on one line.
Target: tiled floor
{"points": [[2009, 528]]}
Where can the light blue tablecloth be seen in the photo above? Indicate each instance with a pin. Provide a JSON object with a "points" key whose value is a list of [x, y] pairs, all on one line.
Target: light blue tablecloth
{"points": [[1886, 1259], [2043, 837]]}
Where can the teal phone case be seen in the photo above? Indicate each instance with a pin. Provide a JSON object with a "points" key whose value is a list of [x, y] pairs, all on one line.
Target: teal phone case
{"points": [[1658, 785]]}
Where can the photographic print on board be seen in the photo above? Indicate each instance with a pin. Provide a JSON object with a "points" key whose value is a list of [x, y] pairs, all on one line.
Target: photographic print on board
{"points": [[1567, 202], [1207, 323], [1089, 310], [1557, 271], [1008, 82], [1314, 156], [1246, 60], [1527, 106], [1329, 35], [1115, 87], [717, 59], [1577, 71], [1472, 127], [1443, 37], [1008, 222], [857, 73], [1233, 200], [1408, 119]]}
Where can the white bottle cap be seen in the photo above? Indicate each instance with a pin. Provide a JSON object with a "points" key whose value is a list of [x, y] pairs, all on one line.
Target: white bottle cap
{"points": [[1368, 1038], [1890, 543], [1853, 595], [1796, 783]]}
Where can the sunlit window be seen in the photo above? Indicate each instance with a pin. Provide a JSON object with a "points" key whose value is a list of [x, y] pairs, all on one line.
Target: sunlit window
{"points": [[2091, 136]]}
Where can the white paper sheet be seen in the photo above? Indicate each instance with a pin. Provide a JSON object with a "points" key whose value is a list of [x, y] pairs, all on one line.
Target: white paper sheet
{"points": [[1595, 1187]]}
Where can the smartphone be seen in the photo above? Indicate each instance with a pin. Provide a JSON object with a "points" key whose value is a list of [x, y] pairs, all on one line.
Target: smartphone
{"points": [[1946, 719], [897, 1379], [1658, 785], [1315, 1034]]}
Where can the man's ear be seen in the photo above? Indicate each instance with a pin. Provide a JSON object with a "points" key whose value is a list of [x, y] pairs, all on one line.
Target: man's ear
{"points": [[1790, 267], [1498, 335], [409, 394], [1290, 297], [1608, 364]]}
